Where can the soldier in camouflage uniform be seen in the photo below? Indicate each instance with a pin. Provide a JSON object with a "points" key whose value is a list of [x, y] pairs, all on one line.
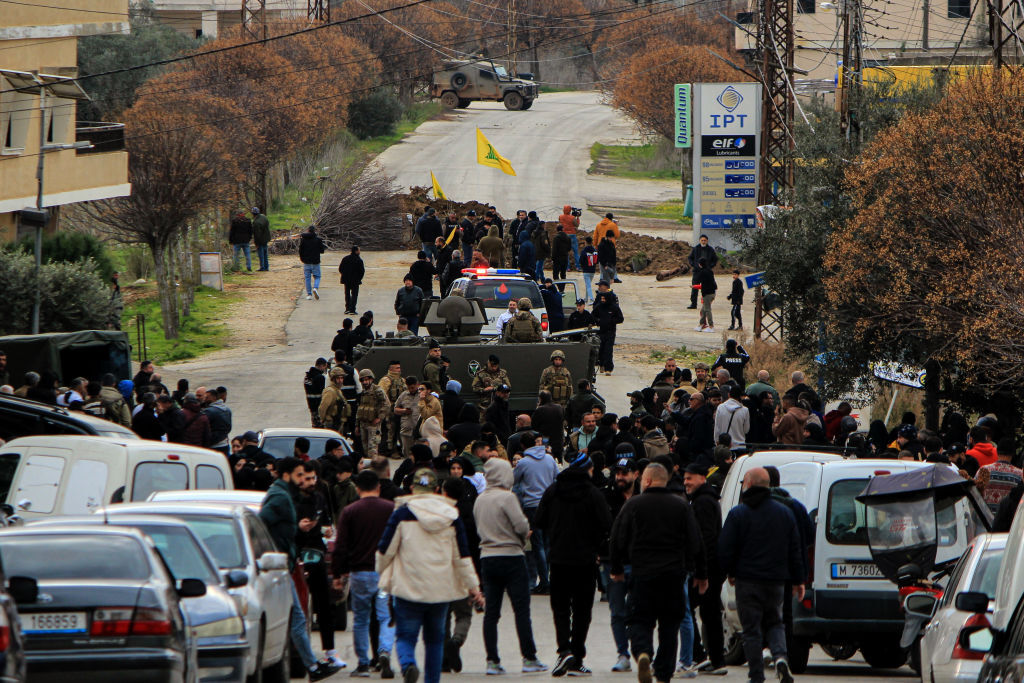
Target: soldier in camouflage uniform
{"points": [[334, 410], [524, 326], [488, 379], [557, 379], [374, 407], [393, 385], [432, 369]]}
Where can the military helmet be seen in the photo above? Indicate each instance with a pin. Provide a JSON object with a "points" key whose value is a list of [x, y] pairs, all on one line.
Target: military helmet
{"points": [[558, 353], [366, 372], [336, 372], [524, 304]]}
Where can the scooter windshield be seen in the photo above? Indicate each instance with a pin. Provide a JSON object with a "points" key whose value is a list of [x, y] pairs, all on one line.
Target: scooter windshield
{"points": [[903, 532]]}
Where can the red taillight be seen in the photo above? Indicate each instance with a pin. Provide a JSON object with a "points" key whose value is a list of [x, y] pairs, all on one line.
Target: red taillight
{"points": [[125, 621], [5, 638], [174, 457], [544, 321], [974, 622], [808, 604]]}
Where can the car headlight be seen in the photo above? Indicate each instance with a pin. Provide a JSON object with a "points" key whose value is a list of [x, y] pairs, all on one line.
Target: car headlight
{"points": [[225, 627]]}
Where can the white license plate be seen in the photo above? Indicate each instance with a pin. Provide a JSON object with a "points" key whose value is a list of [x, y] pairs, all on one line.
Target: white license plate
{"points": [[856, 570], [54, 622]]}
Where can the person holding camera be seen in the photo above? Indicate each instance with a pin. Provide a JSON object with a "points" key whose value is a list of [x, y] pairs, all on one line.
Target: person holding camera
{"points": [[570, 222]]}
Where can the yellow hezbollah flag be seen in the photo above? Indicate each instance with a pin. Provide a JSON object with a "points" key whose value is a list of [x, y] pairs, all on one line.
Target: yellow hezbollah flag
{"points": [[438, 192], [488, 156]]}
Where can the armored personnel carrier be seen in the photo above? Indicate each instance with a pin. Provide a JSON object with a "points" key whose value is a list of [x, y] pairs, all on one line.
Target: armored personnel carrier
{"points": [[464, 81], [456, 323]]}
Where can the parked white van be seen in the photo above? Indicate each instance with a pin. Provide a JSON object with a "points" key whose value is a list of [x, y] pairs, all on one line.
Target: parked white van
{"points": [[47, 476]]}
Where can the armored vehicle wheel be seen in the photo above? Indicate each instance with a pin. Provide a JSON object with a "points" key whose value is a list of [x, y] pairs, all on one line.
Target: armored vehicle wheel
{"points": [[449, 100], [527, 104], [459, 80], [463, 102], [513, 101]]}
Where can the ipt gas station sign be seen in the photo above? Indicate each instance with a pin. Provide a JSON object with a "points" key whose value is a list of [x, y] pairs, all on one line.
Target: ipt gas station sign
{"points": [[727, 125]]}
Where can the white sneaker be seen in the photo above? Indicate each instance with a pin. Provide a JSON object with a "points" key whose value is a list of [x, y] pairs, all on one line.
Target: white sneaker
{"points": [[309, 297], [706, 329], [495, 669], [684, 671], [316, 294], [332, 655], [699, 328], [531, 666], [622, 665]]}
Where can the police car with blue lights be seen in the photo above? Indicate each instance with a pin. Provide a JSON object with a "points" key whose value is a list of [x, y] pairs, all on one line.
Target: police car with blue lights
{"points": [[497, 286]]}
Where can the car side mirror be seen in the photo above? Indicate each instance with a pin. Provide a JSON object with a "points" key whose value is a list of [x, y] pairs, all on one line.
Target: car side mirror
{"points": [[191, 588], [920, 605], [976, 640], [972, 601], [236, 578], [270, 562], [23, 589]]}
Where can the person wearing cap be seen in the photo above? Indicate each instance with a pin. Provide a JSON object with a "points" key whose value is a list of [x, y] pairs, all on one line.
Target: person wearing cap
{"points": [[576, 521], [557, 379], [487, 379], [334, 409], [609, 316], [408, 300], [581, 318], [503, 529], [371, 412], [607, 227], [657, 533], [906, 440], [625, 484], [524, 326], [424, 539], [702, 379], [261, 237], [553, 305], [533, 475], [313, 385], [196, 431], [654, 440], [432, 367], [704, 501], [498, 413], [310, 249]]}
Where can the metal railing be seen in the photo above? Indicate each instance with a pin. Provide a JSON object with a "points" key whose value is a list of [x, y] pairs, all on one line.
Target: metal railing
{"points": [[103, 136]]}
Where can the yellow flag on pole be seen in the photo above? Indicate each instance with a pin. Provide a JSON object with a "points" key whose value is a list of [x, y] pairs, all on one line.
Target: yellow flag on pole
{"points": [[438, 192], [486, 155]]}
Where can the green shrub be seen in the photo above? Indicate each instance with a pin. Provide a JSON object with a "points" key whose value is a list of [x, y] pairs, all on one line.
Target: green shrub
{"points": [[374, 115], [72, 295], [72, 247]]}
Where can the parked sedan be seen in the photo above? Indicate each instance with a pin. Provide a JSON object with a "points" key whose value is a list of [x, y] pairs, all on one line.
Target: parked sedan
{"points": [[943, 659], [214, 618], [238, 540], [251, 499], [98, 603], [280, 441]]}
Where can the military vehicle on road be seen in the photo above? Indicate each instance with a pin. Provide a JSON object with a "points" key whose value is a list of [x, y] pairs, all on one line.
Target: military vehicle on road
{"points": [[464, 81]]}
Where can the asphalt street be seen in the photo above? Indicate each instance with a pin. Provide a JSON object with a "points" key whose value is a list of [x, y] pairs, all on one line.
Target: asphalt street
{"points": [[548, 146]]}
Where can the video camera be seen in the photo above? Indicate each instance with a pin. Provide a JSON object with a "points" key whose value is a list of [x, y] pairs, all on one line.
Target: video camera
{"points": [[575, 212]]}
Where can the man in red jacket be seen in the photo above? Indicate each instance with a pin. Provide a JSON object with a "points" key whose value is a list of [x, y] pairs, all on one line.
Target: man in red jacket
{"points": [[980, 448]]}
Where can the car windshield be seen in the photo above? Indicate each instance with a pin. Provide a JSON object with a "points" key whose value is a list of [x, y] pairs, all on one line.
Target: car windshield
{"points": [[985, 575], [501, 71], [181, 552], [284, 446], [497, 293], [220, 535], [74, 556]]}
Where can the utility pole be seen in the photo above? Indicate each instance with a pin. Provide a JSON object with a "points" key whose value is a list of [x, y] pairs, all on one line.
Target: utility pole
{"points": [[254, 19], [924, 26], [1006, 22], [318, 11], [513, 66], [778, 100], [853, 37]]}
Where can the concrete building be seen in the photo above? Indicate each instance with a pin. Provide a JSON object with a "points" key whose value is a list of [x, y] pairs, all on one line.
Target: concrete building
{"points": [[897, 33], [207, 18], [38, 57]]}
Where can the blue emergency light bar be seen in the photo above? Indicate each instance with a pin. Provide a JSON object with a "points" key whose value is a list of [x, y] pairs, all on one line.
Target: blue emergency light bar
{"points": [[492, 271]]}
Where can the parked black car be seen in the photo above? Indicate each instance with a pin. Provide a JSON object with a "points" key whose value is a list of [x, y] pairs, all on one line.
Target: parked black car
{"points": [[22, 417]]}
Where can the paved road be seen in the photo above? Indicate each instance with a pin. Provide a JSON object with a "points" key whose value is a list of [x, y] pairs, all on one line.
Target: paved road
{"points": [[549, 147]]}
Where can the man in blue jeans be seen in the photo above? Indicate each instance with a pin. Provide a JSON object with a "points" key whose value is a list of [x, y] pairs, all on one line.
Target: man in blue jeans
{"points": [[278, 512], [310, 248], [503, 530], [532, 477], [360, 528], [424, 541], [240, 235], [623, 487]]}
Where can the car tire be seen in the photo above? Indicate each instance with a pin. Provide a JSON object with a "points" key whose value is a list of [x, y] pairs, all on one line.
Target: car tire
{"points": [[449, 100], [881, 654], [839, 652], [527, 104], [459, 80], [281, 672], [799, 654], [464, 102], [513, 101], [257, 675]]}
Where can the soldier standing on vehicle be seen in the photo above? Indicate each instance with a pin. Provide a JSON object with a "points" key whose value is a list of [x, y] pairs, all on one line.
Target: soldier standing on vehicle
{"points": [[371, 412], [524, 326], [393, 384], [557, 379], [334, 409], [432, 369], [313, 384], [487, 379]]}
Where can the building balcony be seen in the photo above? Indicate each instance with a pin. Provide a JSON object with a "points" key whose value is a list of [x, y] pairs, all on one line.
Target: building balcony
{"points": [[103, 136]]}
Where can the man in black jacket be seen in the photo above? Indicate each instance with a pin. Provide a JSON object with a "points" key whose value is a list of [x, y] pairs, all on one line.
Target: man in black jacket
{"points": [[408, 300], [313, 384], [452, 272], [429, 229], [576, 520], [624, 486], [498, 413], [352, 271], [240, 235], [422, 272], [759, 551], [609, 317], [704, 502], [310, 248], [705, 278], [700, 432], [702, 251], [657, 534]]}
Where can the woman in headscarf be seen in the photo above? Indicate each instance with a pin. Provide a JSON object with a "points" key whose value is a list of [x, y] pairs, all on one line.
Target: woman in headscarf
{"points": [[462, 467], [431, 431]]}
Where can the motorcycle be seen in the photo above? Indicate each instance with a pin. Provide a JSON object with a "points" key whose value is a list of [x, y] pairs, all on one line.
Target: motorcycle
{"points": [[909, 515]]}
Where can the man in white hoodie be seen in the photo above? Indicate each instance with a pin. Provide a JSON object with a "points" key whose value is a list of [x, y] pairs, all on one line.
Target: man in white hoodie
{"points": [[503, 530], [424, 540], [733, 418]]}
